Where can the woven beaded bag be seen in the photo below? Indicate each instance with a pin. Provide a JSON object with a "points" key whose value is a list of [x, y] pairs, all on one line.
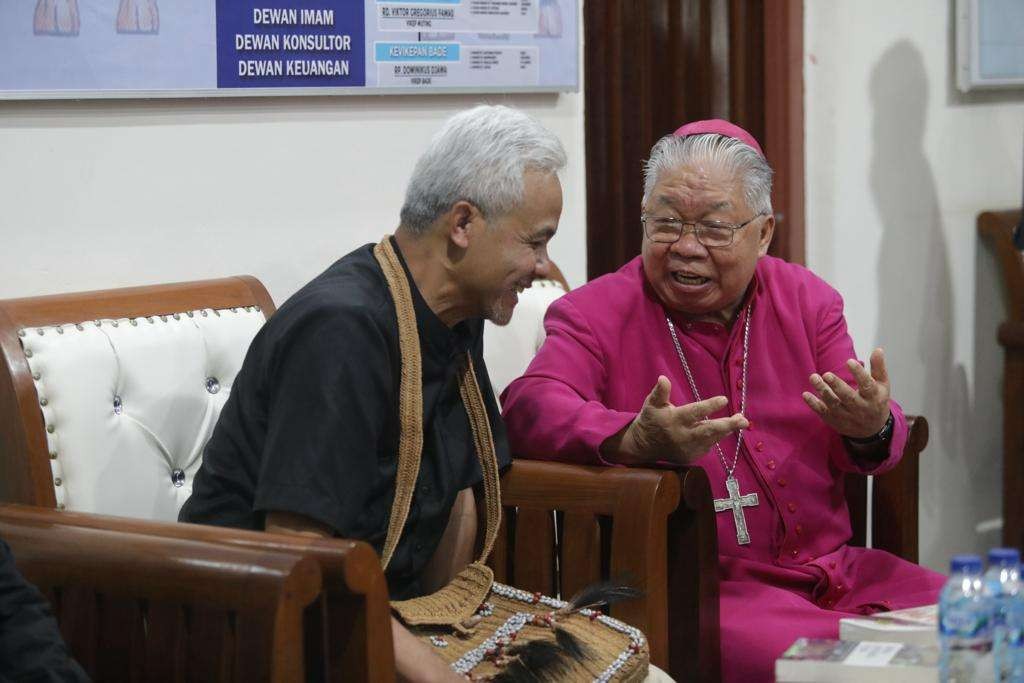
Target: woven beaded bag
{"points": [[487, 630]]}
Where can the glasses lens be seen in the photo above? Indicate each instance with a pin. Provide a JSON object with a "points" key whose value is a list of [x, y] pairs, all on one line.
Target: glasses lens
{"points": [[662, 229], [715, 235]]}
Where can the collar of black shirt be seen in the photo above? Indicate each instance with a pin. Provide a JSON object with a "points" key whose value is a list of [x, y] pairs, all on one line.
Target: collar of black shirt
{"points": [[444, 340]]}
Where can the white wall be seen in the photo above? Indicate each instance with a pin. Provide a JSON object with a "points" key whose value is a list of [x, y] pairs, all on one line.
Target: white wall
{"points": [[101, 194], [899, 164]]}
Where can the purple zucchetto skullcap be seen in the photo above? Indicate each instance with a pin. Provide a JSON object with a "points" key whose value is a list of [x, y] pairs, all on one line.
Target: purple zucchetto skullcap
{"points": [[720, 127]]}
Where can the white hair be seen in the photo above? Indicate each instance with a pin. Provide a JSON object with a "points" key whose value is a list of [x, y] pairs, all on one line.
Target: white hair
{"points": [[730, 154], [480, 155]]}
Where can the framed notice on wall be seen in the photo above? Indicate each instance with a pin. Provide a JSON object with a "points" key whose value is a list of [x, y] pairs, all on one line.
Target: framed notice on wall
{"points": [[990, 44], [201, 48]]}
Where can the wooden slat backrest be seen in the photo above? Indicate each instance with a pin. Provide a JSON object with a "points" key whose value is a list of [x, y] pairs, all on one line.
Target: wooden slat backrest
{"points": [[499, 560], [192, 594], [580, 556], [1011, 337], [25, 474], [996, 228], [533, 551], [120, 643], [693, 590], [894, 501], [348, 630], [636, 501]]}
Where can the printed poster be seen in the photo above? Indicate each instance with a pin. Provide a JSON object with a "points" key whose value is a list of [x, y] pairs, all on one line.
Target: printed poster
{"points": [[180, 48]]}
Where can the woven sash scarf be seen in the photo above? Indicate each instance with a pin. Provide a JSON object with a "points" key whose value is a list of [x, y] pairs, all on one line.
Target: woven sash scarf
{"points": [[482, 628]]}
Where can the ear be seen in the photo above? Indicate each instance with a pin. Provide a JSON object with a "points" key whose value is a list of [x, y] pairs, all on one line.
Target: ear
{"points": [[461, 219], [765, 237]]}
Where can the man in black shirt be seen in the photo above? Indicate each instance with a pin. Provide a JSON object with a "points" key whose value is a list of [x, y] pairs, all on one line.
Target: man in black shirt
{"points": [[308, 439]]}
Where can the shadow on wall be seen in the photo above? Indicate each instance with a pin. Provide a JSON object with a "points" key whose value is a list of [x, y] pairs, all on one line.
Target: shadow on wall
{"points": [[915, 302]]}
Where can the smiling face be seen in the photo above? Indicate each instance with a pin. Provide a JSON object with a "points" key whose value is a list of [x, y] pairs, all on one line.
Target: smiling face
{"points": [[512, 248], [687, 276]]}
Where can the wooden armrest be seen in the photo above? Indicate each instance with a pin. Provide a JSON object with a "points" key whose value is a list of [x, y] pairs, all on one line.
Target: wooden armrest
{"points": [[600, 490], [917, 434], [121, 598], [137, 302], [349, 630], [137, 565]]}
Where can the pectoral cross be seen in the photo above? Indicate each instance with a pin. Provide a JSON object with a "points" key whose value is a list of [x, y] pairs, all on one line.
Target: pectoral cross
{"points": [[736, 503]]}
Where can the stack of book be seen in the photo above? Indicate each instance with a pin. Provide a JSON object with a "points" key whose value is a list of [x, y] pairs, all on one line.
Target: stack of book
{"points": [[914, 626], [814, 660], [900, 646]]}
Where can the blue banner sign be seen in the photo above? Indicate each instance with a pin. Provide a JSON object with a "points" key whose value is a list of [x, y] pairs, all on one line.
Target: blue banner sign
{"points": [[183, 48]]}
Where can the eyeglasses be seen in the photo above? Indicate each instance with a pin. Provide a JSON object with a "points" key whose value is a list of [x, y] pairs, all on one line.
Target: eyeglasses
{"points": [[711, 234]]}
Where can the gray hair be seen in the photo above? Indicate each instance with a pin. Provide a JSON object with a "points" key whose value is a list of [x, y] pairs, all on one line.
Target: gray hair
{"points": [[479, 156], [730, 154]]}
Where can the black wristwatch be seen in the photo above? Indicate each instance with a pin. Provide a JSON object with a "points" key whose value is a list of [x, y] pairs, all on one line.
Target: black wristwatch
{"points": [[883, 435]]}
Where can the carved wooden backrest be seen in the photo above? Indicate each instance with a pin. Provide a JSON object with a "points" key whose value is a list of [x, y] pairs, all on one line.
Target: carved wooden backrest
{"points": [[347, 630], [608, 523], [996, 228], [139, 607]]}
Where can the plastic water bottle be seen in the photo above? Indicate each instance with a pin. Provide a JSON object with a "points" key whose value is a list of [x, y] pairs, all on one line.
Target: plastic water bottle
{"points": [[965, 629], [1002, 588], [1014, 642]]}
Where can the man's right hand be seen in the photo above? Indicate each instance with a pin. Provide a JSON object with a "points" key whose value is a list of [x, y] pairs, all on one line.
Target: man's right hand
{"points": [[678, 434], [415, 662]]}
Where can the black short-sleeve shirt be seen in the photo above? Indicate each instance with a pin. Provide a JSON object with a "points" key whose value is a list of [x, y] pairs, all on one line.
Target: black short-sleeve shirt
{"points": [[311, 425]]}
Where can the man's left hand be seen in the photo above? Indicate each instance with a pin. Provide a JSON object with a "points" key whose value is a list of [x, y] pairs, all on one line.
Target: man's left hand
{"points": [[859, 413]]}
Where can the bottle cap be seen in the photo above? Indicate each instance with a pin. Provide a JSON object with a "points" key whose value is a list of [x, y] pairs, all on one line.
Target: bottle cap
{"points": [[1004, 557], [965, 564]]}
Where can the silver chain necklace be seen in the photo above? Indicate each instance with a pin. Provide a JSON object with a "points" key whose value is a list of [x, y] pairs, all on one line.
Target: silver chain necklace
{"points": [[735, 502], [743, 390]]}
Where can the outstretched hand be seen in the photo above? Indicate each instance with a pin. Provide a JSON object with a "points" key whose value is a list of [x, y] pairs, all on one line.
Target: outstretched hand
{"points": [[680, 434], [859, 413]]}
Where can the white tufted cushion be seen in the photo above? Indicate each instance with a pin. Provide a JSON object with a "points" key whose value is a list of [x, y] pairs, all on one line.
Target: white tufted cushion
{"points": [[129, 404], [508, 349]]}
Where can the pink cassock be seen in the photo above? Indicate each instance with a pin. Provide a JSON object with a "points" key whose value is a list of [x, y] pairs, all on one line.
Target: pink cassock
{"points": [[606, 344]]}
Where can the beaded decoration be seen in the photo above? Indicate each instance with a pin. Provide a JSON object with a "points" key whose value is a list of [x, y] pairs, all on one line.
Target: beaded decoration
{"points": [[506, 633]]}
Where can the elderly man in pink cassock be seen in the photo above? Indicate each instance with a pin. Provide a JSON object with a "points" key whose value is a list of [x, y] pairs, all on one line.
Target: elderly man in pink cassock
{"points": [[706, 350]]}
